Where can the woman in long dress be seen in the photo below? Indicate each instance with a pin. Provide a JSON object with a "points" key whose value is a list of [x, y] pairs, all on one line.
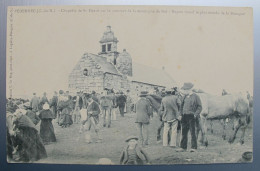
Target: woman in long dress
{"points": [[46, 128], [66, 107], [30, 145]]}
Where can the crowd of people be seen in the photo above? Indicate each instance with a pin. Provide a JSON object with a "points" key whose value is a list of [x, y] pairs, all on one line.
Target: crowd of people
{"points": [[178, 110], [25, 143]]}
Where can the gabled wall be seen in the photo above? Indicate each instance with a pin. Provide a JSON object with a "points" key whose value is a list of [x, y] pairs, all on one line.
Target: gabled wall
{"points": [[80, 82]]}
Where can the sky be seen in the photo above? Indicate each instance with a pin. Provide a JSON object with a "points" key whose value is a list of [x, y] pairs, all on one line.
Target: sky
{"points": [[211, 50]]}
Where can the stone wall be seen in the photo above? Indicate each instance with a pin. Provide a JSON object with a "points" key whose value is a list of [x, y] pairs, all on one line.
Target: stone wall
{"points": [[116, 82], [80, 82]]}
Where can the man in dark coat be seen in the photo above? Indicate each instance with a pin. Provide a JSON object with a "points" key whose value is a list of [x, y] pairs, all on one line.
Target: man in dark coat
{"points": [[54, 103], [121, 100], [46, 128], [190, 111], [78, 105], [94, 97], [170, 114], [144, 112], [44, 100]]}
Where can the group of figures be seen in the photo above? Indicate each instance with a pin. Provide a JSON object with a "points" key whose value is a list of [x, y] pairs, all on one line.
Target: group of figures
{"points": [[25, 143], [180, 111]]}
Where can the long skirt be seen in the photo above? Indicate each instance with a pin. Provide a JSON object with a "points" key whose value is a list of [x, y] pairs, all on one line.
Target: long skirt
{"points": [[47, 131], [65, 119], [30, 145]]}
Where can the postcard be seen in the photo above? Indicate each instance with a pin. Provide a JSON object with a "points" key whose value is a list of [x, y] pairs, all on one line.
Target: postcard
{"points": [[129, 85]]}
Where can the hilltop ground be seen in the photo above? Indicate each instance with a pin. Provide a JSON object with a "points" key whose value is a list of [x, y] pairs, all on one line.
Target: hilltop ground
{"points": [[71, 148]]}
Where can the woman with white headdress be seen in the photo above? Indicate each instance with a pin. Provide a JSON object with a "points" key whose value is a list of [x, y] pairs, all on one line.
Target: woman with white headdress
{"points": [[30, 145], [46, 128]]}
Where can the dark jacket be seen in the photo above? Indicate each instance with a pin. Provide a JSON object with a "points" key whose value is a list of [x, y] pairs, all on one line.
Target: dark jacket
{"points": [[54, 101], [93, 109], [121, 99], [143, 110], [170, 108], [46, 114], [191, 104], [142, 157], [78, 101], [95, 98]]}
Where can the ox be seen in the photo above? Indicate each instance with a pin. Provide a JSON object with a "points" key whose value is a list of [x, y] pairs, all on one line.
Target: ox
{"points": [[235, 106]]}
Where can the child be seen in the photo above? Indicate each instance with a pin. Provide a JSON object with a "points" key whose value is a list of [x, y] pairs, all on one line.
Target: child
{"points": [[133, 154]]}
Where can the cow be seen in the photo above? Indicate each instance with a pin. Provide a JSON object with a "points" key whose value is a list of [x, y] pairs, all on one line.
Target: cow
{"points": [[233, 106]]}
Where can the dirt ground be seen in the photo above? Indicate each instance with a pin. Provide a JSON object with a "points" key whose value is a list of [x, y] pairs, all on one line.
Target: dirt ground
{"points": [[71, 148]]}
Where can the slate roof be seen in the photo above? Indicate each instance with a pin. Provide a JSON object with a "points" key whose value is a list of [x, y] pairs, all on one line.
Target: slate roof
{"points": [[141, 73], [105, 66], [146, 74]]}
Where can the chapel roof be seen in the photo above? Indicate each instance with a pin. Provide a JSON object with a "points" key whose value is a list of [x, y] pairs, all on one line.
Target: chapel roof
{"points": [[146, 74], [105, 66]]}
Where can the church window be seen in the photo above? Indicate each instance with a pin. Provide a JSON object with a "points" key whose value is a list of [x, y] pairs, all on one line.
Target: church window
{"points": [[103, 48], [108, 47]]}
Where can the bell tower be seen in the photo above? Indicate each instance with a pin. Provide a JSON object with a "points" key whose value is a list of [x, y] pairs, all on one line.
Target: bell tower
{"points": [[108, 44]]}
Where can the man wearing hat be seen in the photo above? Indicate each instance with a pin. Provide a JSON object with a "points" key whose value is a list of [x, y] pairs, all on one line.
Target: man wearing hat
{"points": [[143, 113], [170, 113], [121, 100], [94, 97], [54, 103], [190, 110]]}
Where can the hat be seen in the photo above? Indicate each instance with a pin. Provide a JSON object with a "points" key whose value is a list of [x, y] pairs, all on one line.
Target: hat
{"points": [[61, 92], [143, 93], [187, 86], [93, 92], [46, 106], [130, 138]]}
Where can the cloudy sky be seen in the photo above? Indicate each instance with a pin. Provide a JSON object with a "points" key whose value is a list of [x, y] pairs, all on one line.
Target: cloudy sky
{"points": [[212, 51]]}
